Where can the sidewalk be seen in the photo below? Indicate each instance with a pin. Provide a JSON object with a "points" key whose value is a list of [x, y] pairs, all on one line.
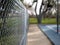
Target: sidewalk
{"points": [[36, 37]]}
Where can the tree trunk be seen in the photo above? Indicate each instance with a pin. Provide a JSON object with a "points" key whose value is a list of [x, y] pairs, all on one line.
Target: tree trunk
{"points": [[39, 17]]}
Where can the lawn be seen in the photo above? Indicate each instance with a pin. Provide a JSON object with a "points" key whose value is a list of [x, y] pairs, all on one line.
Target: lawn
{"points": [[44, 21]]}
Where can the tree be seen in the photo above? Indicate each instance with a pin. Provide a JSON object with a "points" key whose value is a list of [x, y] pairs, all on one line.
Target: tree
{"points": [[39, 17], [49, 4], [21, 0]]}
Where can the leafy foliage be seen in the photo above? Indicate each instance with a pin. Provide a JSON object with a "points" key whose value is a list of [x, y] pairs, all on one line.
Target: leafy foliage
{"points": [[21, 0]]}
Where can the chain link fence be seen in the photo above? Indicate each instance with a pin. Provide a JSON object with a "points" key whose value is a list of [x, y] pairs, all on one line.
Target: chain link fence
{"points": [[13, 23]]}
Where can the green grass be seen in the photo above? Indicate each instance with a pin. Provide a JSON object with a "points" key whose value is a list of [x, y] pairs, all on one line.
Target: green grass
{"points": [[32, 20], [49, 21], [44, 21]]}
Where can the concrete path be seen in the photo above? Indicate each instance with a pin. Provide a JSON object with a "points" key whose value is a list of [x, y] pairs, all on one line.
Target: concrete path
{"points": [[36, 37]]}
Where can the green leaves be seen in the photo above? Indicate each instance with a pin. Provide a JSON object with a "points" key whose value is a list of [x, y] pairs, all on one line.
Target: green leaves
{"points": [[21, 0]]}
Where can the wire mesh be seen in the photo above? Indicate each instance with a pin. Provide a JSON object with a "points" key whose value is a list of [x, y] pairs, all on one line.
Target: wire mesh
{"points": [[13, 20]]}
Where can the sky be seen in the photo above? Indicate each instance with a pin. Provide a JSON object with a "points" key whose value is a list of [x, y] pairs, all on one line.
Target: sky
{"points": [[28, 1]]}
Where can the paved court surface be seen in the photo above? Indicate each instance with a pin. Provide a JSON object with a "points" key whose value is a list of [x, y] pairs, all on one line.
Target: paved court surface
{"points": [[36, 37], [51, 32]]}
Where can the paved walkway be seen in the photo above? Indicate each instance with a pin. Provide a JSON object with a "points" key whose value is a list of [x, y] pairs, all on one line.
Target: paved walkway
{"points": [[36, 37]]}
